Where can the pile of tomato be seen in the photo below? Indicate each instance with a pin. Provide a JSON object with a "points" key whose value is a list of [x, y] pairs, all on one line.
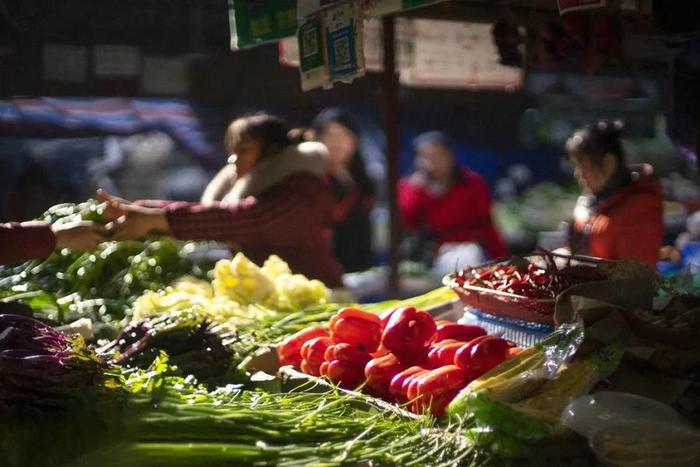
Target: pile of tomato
{"points": [[401, 356]]}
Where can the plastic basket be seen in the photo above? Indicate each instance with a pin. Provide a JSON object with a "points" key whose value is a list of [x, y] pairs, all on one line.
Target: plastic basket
{"points": [[523, 333], [504, 304], [509, 305]]}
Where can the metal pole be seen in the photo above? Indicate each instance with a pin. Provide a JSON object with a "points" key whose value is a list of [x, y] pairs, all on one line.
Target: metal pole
{"points": [[391, 122]]}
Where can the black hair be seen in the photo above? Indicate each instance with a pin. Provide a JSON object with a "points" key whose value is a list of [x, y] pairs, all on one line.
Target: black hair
{"points": [[593, 142], [270, 131], [441, 138], [357, 168]]}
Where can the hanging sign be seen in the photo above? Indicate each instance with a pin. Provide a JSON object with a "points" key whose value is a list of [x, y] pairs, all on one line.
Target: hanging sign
{"points": [[311, 54], [342, 26], [256, 22]]}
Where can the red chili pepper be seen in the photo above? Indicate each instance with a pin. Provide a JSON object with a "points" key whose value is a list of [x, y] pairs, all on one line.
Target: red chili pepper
{"points": [[357, 329], [408, 333], [345, 374], [313, 350], [379, 372], [347, 353], [289, 351], [436, 386], [396, 387], [460, 332], [480, 355]]}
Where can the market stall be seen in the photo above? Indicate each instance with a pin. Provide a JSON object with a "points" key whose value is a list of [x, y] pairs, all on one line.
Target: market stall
{"points": [[150, 353], [145, 354]]}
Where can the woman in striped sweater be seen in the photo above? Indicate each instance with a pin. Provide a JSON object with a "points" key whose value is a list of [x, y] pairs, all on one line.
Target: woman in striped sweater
{"points": [[271, 198]]}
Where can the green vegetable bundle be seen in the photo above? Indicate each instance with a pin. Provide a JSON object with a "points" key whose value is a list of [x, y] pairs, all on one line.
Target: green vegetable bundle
{"points": [[100, 285]]}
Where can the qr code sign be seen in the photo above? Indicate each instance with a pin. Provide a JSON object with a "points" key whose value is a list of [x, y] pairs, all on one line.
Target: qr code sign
{"points": [[309, 42], [341, 47]]}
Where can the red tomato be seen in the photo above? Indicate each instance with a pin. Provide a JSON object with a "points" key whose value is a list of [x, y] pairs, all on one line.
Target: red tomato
{"points": [[482, 356], [396, 387], [513, 351], [289, 351], [460, 332], [310, 369], [379, 373], [408, 333], [444, 354], [436, 388], [345, 374], [347, 353], [323, 369], [354, 313], [313, 350], [357, 331]]}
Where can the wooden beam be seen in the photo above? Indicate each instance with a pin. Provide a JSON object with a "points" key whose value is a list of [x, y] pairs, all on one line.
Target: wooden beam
{"points": [[391, 121]]}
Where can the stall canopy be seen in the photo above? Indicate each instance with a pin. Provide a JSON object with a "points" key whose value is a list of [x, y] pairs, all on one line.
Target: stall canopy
{"points": [[107, 116]]}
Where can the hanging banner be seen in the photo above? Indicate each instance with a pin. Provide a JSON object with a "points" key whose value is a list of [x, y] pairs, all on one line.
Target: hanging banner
{"points": [[567, 6], [254, 23], [455, 54]]}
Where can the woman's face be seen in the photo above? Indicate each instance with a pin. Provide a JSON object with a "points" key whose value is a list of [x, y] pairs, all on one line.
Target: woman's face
{"points": [[590, 176], [436, 160], [341, 143], [247, 155]]}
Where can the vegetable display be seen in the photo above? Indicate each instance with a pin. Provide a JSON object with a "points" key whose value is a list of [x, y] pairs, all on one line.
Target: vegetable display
{"points": [[193, 375], [41, 369], [402, 356], [188, 339]]}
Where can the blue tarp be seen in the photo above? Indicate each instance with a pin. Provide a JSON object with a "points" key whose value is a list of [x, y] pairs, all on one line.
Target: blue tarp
{"points": [[68, 117]]}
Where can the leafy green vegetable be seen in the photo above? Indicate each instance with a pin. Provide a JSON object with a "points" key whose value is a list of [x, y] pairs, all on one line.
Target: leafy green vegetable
{"points": [[100, 285]]}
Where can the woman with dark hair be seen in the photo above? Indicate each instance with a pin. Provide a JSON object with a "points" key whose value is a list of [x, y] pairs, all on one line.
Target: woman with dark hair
{"points": [[353, 189], [272, 200], [451, 203], [621, 216]]}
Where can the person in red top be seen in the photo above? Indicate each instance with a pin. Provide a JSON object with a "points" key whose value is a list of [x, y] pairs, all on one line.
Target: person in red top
{"points": [[276, 203], [37, 240], [451, 202], [621, 216]]}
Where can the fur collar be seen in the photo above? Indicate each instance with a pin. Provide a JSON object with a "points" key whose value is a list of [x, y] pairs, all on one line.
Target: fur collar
{"points": [[309, 157]]}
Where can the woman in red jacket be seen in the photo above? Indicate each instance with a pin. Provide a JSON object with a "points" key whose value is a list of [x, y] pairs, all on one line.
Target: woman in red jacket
{"points": [[277, 202], [451, 202], [621, 216]]}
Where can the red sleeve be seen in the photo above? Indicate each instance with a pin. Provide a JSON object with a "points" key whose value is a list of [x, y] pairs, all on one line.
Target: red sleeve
{"points": [[640, 230], [412, 202], [25, 241], [279, 216]]}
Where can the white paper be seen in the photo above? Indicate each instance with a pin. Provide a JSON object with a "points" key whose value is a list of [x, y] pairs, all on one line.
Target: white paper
{"points": [[457, 54]]}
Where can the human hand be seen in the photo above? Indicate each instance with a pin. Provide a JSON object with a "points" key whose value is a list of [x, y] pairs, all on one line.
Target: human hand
{"points": [[135, 222], [80, 236]]}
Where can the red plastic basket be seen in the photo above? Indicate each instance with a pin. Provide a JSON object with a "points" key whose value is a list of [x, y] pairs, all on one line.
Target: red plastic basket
{"points": [[503, 304], [508, 305]]}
